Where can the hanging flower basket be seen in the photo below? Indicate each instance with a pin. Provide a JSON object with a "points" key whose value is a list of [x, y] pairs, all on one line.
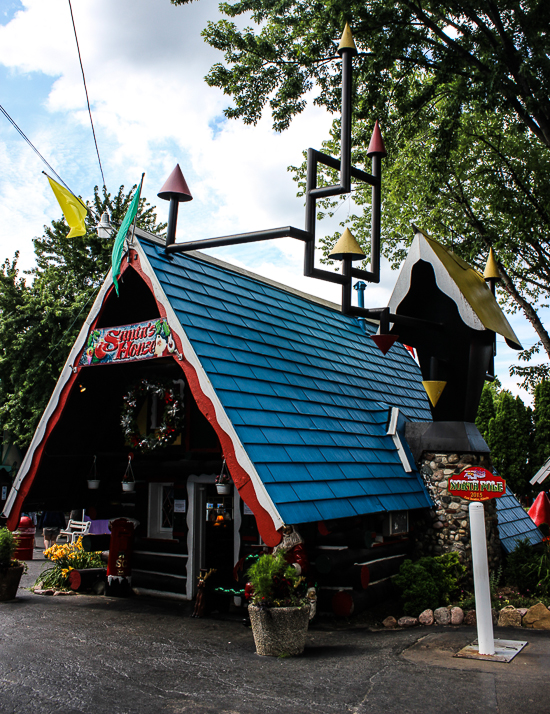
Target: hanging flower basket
{"points": [[93, 481], [128, 480], [224, 484]]}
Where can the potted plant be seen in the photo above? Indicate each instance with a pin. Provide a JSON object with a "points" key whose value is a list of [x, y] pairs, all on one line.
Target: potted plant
{"points": [[128, 480], [11, 569], [278, 607], [223, 482], [93, 481]]}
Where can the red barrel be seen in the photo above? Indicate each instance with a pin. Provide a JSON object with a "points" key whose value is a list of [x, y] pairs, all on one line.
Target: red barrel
{"points": [[25, 535]]}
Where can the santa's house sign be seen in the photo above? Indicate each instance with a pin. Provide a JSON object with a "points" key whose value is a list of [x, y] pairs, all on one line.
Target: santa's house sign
{"points": [[476, 484], [128, 343]]}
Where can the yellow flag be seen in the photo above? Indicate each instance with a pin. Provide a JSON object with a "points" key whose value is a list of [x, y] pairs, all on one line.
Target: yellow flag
{"points": [[73, 209]]}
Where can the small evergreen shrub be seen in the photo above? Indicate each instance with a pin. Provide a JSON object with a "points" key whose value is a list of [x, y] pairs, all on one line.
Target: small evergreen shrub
{"points": [[522, 567], [8, 546], [275, 583], [429, 582]]}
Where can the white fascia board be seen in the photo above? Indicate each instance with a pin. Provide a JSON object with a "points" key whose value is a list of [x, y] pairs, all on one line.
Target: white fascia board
{"points": [[392, 431], [64, 377], [209, 391], [542, 474]]}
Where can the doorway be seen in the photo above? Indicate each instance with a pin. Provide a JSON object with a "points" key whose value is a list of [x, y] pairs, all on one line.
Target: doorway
{"points": [[214, 523]]}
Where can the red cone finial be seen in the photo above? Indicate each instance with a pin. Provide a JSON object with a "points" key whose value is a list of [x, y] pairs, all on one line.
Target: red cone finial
{"points": [[384, 342], [376, 146], [540, 510], [176, 187]]}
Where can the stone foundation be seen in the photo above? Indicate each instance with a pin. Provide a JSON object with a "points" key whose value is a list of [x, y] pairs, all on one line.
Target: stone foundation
{"points": [[446, 528]]}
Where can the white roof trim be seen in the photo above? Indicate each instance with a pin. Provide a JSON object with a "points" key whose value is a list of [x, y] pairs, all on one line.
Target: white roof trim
{"points": [[208, 389], [542, 474], [392, 431], [421, 250], [64, 377]]}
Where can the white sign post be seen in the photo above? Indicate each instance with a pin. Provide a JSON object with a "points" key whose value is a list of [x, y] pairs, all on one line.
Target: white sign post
{"points": [[484, 616]]}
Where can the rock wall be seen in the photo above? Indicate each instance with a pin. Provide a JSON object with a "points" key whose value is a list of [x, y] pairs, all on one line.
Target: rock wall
{"points": [[446, 527]]}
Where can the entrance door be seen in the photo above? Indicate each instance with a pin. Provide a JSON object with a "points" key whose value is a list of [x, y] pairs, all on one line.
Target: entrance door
{"points": [[213, 538], [218, 534]]}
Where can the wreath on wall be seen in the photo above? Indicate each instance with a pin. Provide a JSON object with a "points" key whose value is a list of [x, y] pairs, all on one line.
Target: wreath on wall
{"points": [[170, 421]]}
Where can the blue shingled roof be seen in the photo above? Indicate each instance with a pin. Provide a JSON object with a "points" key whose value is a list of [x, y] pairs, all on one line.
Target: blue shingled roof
{"points": [[514, 523], [307, 391]]}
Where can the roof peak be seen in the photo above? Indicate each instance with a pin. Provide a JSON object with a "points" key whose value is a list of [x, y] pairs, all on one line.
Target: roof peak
{"points": [[159, 240]]}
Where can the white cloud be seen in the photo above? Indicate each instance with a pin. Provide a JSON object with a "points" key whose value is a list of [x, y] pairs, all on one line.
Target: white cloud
{"points": [[145, 63]]}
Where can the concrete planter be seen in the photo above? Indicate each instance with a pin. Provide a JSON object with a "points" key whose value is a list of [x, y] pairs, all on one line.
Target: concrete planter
{"points": [[279, 630], [9, 582]]}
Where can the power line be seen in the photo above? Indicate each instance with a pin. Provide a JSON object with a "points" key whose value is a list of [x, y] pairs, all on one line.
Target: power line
{"points": [[33, 147], [86, 90]]}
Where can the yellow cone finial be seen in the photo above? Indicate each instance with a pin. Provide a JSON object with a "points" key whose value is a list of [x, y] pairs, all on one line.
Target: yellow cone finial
{"points": [[434, 390], [346, 247], [491, 268], [347, 41]]}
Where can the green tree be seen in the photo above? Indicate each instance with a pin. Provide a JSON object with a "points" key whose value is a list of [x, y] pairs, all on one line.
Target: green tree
{"points": [[41, 316], [541, 421], [461, 90], [486, 410], [509, 438]]}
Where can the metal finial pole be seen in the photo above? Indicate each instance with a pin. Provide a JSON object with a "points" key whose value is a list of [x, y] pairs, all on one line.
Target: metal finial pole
{"points": [[345, 124]]}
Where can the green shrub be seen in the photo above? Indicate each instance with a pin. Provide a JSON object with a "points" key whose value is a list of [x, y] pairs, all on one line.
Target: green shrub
{"points": [[275, 583], [429, 582], [522, 567], [8, 546]]}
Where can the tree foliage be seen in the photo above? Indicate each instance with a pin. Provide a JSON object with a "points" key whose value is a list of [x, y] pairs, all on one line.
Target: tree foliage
{"points": [[461, 90], [518, 436], [41, 315], [541, 424], [486, 409], [506, 424]]}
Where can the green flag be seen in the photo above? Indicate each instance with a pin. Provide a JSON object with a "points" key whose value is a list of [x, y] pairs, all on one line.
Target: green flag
{"points": [[118, 245]]}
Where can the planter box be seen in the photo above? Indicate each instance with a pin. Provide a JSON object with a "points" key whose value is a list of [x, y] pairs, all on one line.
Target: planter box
{"points": [[128, 485], [9, 582], [279, 630], [93, 483], [224, 489]]}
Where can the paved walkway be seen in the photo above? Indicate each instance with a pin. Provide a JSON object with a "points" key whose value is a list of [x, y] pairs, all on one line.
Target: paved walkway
{"points": [[84, 654]]}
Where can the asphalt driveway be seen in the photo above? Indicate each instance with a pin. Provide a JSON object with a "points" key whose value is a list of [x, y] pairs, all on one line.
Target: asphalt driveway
{"points": [[84, 654]]}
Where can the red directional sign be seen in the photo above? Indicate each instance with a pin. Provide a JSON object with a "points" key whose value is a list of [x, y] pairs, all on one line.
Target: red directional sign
{"points": [[476, 484]]}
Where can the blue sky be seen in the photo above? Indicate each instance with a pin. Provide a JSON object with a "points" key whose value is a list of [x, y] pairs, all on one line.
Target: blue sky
{"points": [[145, 64]]}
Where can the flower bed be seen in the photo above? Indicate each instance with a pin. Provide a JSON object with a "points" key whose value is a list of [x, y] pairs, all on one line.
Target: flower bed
{"points": [[64, 558]]}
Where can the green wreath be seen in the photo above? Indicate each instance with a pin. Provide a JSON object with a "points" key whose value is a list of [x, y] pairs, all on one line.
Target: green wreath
{"points": [[171, 421]]}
